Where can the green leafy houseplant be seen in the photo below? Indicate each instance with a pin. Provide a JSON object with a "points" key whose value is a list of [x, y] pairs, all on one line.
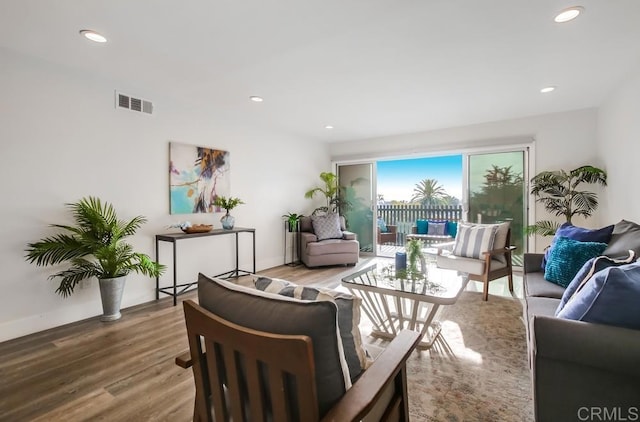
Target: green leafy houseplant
{"points": [[94, 247], [558, 192], [332, 192], [227, 203], [292, 220], [414, 255]]}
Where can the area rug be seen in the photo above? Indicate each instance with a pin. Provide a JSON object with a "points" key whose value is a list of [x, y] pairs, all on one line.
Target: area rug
{"points": [[477, 370]]}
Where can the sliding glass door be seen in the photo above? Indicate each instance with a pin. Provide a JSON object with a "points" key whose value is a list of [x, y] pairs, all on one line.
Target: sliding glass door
{"points": [[496, 192], [356, 184]]}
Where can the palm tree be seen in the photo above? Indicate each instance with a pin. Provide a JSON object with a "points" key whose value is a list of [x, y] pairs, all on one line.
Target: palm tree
{"points": [[558, 191], [94, 247], [428, 192]]}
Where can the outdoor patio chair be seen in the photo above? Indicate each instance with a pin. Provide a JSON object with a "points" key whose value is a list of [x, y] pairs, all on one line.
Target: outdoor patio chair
{"points": [[389, 236]]}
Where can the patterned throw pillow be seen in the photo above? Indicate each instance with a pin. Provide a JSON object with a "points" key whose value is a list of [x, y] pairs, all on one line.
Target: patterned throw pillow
{"points": [[436, 229], [474, 239], [348, 316], [581, 234], [567, 257], [327, 226], [271, 285]]}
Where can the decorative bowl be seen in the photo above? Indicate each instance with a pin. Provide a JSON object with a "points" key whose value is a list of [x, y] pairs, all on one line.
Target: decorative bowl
{"points": [[198, 228]]}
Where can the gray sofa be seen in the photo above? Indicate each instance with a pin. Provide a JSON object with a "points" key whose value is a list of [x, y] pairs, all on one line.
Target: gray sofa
{"points": [[579, 370], [316, 253]]}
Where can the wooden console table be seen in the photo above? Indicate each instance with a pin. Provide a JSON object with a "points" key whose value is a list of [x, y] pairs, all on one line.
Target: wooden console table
{"points": [[177, 289]]}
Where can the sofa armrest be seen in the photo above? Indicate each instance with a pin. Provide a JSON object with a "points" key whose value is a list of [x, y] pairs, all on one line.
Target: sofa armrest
{"points": [[347, 235], [306, 237], [533, 262], [580, 365]]}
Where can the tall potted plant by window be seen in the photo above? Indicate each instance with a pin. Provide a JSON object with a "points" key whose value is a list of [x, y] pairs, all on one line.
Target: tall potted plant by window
{"points": [[559, 192], [336, 201], [94, 247]]}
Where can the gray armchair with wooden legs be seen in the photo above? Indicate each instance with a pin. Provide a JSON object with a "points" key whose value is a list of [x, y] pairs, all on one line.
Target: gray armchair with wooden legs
{"points": [[243, 374], [493, 264]]}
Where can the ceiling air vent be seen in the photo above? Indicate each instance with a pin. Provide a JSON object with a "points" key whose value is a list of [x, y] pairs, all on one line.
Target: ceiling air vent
{"points": [[124, 101]]}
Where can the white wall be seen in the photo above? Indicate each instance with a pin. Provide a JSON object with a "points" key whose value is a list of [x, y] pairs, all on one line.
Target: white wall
{"points": [[619, 148], [61, 139], [562, 141]]}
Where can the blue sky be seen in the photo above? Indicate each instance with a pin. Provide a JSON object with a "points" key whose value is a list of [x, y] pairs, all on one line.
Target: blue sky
{"points": [[398, 178]]}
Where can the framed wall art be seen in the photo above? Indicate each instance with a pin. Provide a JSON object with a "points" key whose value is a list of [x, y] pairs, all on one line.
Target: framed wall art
{"points": [[197, 175]]}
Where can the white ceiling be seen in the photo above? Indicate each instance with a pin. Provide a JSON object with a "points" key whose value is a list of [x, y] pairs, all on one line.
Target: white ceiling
{"points": [[368, 67]]}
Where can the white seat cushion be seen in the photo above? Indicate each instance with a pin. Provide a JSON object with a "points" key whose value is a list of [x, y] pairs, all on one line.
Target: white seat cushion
{"points": [[466, 265]]}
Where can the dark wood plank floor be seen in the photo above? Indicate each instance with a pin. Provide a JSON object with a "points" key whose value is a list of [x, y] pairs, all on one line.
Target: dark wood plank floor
{"points": [[119, 371]]}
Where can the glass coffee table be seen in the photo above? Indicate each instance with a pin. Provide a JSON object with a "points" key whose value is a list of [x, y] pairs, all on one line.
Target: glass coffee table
{"points": [[394, 302]]}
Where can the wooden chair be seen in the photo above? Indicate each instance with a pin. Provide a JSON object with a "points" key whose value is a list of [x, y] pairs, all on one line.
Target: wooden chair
{"points": [[389, 236], [487, 270], [247, 375]]}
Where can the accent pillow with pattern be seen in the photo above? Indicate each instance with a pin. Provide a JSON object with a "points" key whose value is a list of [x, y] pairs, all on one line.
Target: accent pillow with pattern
{"points": [[326, 226], [474, 239]]}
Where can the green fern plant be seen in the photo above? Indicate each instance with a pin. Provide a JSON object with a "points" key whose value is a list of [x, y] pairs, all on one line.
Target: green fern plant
{"points": [[94, 247], [558, 192]]}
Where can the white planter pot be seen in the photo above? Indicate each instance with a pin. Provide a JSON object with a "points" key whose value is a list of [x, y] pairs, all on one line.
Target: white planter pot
{"points": [[111, 290]]}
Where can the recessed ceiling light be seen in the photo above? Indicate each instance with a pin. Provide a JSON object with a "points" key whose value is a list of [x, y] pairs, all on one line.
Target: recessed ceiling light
{"points": [[548, 89], [328, 127], [256, 99], [568, 14], [93, 36]]}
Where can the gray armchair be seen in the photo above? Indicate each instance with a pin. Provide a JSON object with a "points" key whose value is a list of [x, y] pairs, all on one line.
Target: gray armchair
{"points": [[315, 253]]}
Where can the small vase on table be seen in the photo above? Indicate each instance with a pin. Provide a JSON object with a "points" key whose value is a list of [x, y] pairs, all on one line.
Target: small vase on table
{"points": [[227, 221]]}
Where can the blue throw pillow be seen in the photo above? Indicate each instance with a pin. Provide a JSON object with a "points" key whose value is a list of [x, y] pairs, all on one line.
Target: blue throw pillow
{"points": [[452, 228], [382, 225], [610, 297], [581, 234], [591, 267], [422, 227], [567, 257]]}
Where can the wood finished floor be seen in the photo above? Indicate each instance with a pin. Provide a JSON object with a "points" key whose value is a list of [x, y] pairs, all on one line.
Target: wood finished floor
{"points": [[118, 371]]}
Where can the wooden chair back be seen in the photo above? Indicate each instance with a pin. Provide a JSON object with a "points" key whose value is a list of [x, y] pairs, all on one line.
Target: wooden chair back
{"points": [[247, 375]]}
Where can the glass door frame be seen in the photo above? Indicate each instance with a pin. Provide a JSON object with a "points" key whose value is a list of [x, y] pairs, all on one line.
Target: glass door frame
{"points": [[529, 211], [372, 205], [511, 144]]}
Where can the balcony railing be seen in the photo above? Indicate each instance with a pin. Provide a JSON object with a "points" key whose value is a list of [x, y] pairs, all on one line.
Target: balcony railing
{"points": [[409, 213]]}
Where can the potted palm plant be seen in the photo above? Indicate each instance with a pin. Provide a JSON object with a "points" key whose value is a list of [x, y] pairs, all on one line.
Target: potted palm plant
{"points": [[94, 247], [558, 192], [333, 193], [228, 204]]}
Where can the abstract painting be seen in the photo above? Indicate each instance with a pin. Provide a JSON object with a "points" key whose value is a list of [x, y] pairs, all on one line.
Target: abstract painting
{"points": [[197, 176]]}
